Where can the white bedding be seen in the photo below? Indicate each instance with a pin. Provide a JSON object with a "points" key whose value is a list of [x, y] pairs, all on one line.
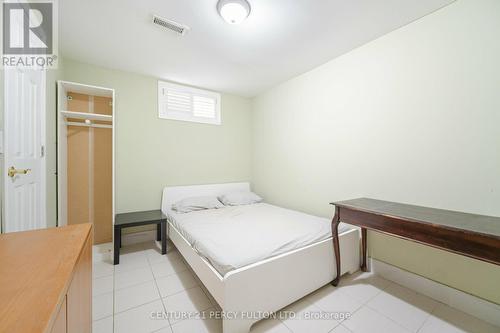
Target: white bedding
{"points": [[233, 237]]}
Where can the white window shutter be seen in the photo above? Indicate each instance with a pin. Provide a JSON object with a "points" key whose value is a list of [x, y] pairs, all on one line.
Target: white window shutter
{"points": [[188, 104], [204, 106], [178, 101]]}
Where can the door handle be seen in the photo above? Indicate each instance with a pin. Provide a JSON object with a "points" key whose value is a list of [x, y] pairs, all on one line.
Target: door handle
{"points": [[13, 171]]}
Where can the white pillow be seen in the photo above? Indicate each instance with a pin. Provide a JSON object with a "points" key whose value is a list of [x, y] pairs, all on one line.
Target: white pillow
{"points": [[239, 198], [196, 203]]}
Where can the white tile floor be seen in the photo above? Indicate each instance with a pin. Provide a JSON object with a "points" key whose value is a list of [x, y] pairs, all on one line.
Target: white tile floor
{"points": [[124, 296]]}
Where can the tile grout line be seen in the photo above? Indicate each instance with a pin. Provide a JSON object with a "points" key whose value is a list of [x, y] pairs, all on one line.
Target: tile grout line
{"points": [[134, 307], [184, 290], [356, 310], [421, 325], [383, 315], [144, 282], [158, 290], [188, 269], [413, 291], [133, 285], [345, 327], [340, 324], [363, 304], [439, 303], [430, 316], [137, 306], [303, 299], [97, 278]]}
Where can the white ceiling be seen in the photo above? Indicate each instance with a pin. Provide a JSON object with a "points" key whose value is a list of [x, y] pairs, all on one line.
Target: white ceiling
{"points": [[279, 40]]}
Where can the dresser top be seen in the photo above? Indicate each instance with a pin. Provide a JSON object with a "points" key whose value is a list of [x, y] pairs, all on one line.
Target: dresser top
{"points": [[36, 268], [488, 225]]}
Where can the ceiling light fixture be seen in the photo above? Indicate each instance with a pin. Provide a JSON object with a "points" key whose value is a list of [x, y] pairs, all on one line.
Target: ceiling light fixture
{"points": [[233, 11]]}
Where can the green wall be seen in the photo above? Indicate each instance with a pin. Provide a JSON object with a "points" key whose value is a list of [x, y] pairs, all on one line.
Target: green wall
{"points": [[152, 153], [413, 117]]}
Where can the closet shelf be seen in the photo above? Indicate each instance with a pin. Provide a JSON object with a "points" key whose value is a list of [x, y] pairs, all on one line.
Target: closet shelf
{"points": [[84, 115]]}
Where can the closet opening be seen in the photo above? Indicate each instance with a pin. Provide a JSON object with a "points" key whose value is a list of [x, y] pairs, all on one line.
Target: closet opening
{"points": [[85, 157]]}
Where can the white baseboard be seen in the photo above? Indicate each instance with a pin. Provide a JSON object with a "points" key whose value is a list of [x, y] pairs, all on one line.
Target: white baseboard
{"points": [[475, 306], [138, 237]]}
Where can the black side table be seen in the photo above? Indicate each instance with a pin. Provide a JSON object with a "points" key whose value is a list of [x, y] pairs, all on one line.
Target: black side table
{"points": [[135, 219]]}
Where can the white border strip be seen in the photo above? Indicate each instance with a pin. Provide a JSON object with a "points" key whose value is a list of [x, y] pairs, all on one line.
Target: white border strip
{"points": [[475, 306]]}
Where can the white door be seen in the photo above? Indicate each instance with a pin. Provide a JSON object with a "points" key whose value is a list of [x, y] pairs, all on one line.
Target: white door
{"points": [[24, 162]]}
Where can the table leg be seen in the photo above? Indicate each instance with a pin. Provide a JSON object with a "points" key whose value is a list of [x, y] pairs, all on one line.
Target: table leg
{"points": [[158, 232], [118, 241], [363, 248], [336, 246], [163, 237]]}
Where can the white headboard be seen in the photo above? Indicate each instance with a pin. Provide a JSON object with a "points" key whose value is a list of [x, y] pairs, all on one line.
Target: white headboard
{"points": [[172, 194]]}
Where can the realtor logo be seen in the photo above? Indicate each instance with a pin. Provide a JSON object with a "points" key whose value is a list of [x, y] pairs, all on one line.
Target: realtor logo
{"points": [[28, 36]]}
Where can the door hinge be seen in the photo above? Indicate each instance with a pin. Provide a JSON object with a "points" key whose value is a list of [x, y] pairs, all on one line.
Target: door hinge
{"points": [[42, 151]]}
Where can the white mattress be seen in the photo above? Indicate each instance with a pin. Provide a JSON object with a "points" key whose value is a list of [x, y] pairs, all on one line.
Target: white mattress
{"points": [[233, 237]]}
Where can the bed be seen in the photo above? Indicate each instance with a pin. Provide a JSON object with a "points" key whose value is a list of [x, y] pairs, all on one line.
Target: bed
{"points": [[256, 258]]}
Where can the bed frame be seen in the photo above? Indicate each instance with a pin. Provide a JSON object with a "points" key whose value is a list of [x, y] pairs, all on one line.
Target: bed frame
{"points": [[268, 285]]}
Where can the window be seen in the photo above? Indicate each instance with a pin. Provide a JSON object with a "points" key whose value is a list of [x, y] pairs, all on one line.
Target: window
{"points": [[188, 104]]}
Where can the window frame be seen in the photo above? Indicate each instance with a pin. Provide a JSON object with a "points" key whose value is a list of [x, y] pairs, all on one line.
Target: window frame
{"points": [[164, 113]]}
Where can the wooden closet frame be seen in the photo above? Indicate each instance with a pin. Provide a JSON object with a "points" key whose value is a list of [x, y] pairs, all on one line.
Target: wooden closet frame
{"points": [[62, 88]]}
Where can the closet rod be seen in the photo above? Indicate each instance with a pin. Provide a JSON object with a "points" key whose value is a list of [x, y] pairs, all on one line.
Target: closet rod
{"points": [[73, 123], [86, 115]]}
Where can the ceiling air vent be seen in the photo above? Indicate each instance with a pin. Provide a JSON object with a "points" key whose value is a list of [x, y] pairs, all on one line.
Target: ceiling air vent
{"points": [[170, 25]]}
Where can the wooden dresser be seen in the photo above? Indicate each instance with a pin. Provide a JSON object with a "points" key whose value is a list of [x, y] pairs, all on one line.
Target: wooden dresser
{"points": [[46, 280]]}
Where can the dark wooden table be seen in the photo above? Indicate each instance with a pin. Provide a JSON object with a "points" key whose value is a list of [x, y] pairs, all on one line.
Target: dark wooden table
{"points": [[471, 235], [135, 219]]}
